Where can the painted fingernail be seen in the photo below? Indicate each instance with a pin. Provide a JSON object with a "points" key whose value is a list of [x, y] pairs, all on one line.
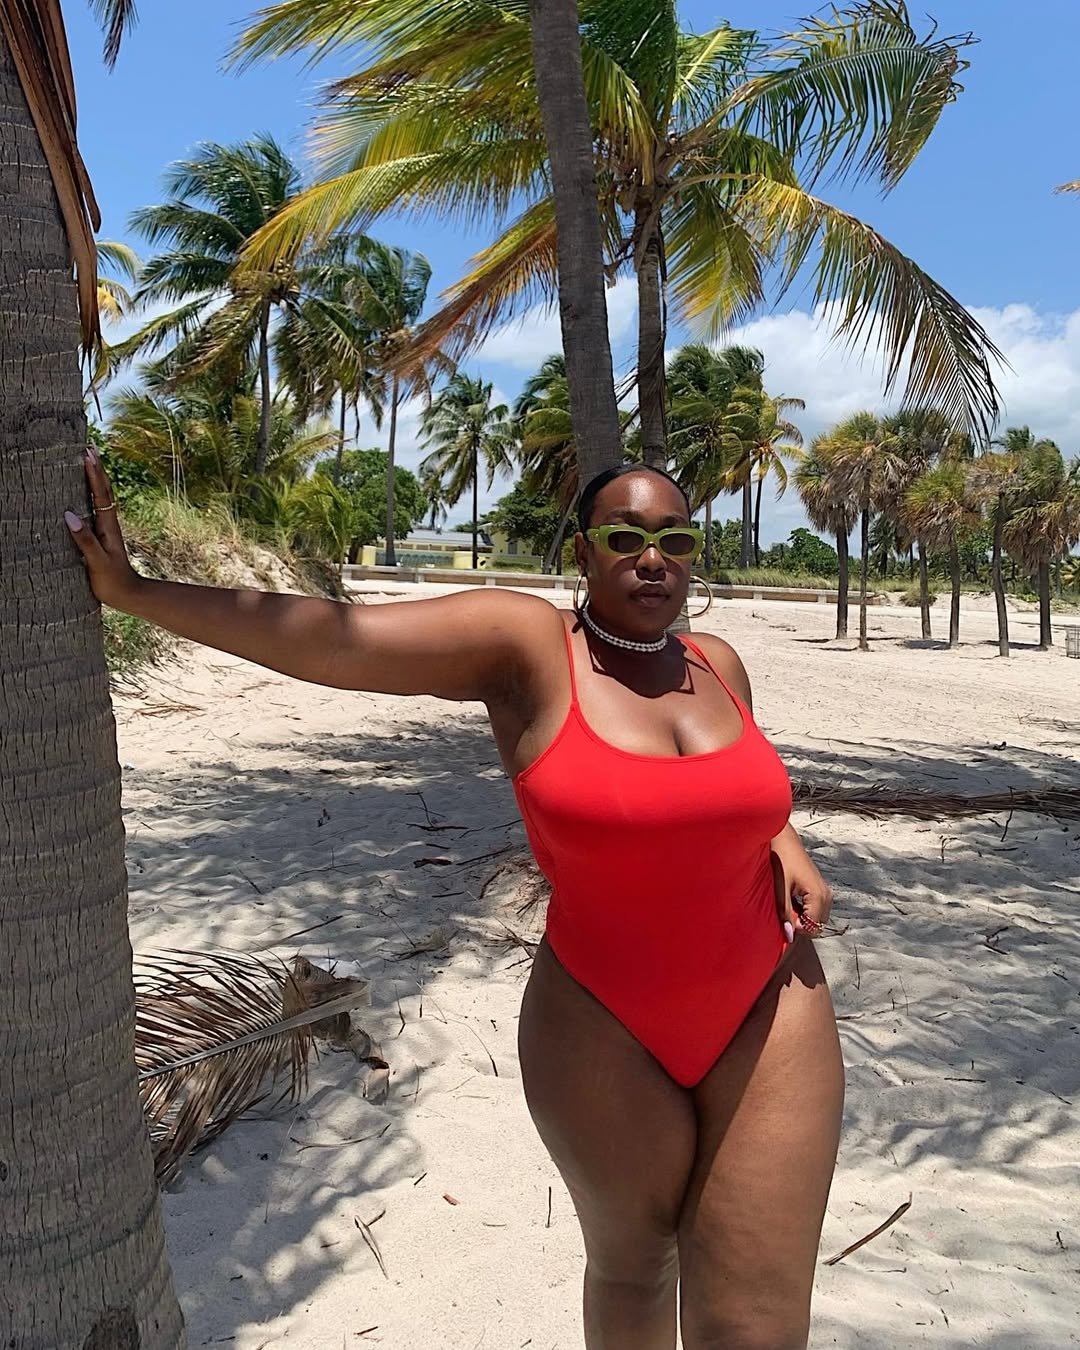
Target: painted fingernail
{"points": [[91, 454], [73, 521], [789, 932]]}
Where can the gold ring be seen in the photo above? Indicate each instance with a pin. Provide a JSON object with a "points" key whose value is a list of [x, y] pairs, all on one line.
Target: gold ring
{"points": [[98, 509]]}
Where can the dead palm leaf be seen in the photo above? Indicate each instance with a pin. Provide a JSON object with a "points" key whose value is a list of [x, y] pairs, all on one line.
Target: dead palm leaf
{"points": [[217, 1034]]}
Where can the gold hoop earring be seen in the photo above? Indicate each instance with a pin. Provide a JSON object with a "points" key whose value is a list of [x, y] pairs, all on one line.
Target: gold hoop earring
{"points": [[582, 577], [709, 592]]}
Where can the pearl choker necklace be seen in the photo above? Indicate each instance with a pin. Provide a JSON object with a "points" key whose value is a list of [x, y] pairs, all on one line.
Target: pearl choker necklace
{"points": [[625, 643]]}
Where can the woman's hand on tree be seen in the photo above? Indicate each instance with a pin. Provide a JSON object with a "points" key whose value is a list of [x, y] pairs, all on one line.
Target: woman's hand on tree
{"points": [[101, 542]]}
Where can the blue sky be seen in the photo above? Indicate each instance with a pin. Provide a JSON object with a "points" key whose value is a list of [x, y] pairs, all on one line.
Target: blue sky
{"points": [[977, 210]]}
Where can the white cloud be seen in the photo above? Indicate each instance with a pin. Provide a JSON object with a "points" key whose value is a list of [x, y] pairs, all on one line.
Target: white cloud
{"points": [[525, 343], [1042, 389]]}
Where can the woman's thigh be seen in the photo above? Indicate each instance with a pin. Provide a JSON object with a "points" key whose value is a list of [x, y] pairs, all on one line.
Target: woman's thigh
{"points": [[620, 1131], [768, 1117]]}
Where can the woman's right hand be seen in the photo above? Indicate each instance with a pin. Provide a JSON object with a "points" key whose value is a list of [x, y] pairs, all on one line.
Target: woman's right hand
{"points": [[112, 578]]}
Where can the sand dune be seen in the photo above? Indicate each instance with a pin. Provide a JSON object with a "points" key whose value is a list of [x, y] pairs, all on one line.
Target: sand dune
{"points": [[270, 816]]}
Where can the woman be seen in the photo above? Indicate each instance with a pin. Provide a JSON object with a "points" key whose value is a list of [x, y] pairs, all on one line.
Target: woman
{"points": [[678, 1045]]}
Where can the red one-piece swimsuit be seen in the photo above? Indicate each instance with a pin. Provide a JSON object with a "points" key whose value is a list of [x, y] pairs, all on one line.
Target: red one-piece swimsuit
{"points": [[670, 922]]}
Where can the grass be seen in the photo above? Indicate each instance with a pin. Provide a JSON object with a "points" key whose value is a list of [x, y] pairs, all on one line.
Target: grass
{"points": [[177, 540], [132, 644], [173, 540], [764, 576]]}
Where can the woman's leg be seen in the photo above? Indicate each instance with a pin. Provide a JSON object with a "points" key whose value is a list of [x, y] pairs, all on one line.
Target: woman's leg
{"points": [[622, 1134], [768, 1127]]}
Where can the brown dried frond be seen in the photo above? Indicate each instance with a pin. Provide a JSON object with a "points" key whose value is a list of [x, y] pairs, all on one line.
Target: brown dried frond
{"points": [[217, 1034]]}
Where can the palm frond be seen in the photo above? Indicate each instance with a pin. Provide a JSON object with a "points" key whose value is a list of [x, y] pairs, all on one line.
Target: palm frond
{"points": [[856, 90], [883, 298], [513, 274], [116, 17], [218, 1034]]}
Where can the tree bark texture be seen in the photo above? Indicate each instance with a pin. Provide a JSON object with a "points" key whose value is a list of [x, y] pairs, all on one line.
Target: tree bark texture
{"points": [[475, 505], [340, 455], [708, 536], [864, 570], [262, 446], [924, 593], [652, 413], [556, 44], [1046, 634], [391, 468], [746, 545], [998, 580], [842, 584], [954, 599], [82, 1250]]}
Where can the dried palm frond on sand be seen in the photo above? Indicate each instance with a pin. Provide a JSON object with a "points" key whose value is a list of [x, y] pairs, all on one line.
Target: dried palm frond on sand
{"points": [[217, 1034], [873, 800]]}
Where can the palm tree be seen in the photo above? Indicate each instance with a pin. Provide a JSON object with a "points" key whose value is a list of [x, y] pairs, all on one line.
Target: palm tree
{"points": [[326, 354], [996, 484], [201, 445], [84, 1250], [697, 141], [462, 428], [701, 383], [830, 508], [922, 437], [564, 116], [939, 507], [549, 457], [1045, 523], [218, 200], [772, 441], [867, 461], [395, 290]]}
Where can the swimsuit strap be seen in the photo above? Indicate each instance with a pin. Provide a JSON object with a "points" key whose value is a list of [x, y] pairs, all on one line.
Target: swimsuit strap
{"points": [[689, 642], [570, 663]]}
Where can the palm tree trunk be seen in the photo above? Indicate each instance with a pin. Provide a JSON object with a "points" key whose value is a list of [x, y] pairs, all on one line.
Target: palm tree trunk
{"points": [[391, 479], [954, 605], [84, 1260], [746, 545], [262, 445], [998, 579], [1046, 636], [924, 592], [757, 521], [864, 569], [556, 47], [650, 370], [475, 505], [708, 559], [842, 584], [341, 441], [555, 547]]}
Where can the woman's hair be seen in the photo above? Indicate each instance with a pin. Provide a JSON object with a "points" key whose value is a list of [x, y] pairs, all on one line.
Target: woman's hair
{"points": [[595, 486]]}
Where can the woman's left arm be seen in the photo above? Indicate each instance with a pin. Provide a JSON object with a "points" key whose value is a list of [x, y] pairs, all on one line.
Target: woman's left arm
{"points": [[807, 896]]}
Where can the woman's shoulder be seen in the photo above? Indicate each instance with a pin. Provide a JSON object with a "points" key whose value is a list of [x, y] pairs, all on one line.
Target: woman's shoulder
{"points": [[727, 663]]}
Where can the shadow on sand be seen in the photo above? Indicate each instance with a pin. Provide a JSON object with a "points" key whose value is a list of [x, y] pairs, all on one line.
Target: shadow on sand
{"points": [[945, 1057]]}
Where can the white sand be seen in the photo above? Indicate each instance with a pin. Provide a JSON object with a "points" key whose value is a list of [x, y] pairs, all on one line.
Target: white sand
{"points": [[264, 807]]}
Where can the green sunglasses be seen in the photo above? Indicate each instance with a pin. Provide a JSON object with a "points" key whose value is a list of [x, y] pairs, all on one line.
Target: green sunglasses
{"points": [[681, 542]]}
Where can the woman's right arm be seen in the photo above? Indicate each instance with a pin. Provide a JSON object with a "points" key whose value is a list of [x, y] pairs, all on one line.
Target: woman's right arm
{"points": [[456, 647]]}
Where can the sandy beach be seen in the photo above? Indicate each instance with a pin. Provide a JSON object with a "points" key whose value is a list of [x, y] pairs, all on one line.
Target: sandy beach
{"points": [[268, 816]]}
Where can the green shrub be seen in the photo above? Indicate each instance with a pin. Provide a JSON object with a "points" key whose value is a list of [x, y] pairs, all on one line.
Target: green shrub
{"points": [[131, 643], [911, 597]]}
